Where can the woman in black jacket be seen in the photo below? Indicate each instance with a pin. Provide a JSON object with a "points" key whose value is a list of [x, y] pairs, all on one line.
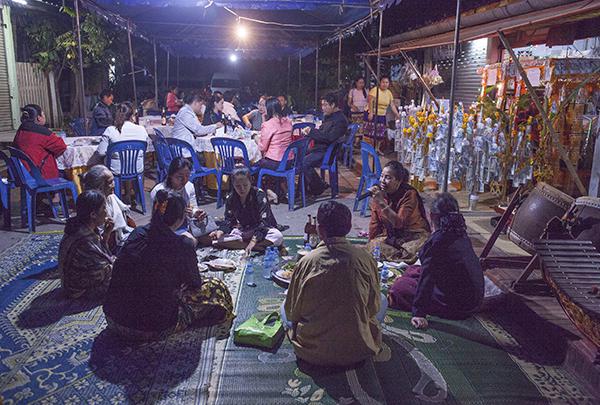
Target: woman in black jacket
{"points": [[449, 282]]}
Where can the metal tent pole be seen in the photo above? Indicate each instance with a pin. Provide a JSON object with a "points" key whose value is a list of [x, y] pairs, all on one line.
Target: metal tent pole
{"points": [[287, 91], [168, 66], [378, 78], [131, 63], [317, 76], [155, 76], [451, 104], [299, 71], [80, 55], [339, 70]]}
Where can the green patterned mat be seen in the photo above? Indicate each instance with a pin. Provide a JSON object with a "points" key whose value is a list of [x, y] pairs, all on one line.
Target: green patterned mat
{"points": [[473, 361]]}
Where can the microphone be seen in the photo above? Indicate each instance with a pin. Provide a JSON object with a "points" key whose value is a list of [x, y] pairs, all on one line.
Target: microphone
{"points": [[367, 194], [363, 196]]}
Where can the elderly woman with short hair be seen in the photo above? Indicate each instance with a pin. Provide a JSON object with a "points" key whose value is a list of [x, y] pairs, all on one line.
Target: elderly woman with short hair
{"points": [[101, 179]]}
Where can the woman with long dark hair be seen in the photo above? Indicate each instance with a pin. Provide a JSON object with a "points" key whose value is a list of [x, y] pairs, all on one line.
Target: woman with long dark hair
{"points": [[38, 142], [178, 182], [124, 129], [249, 222], [214, 110], [449, 282], [156, 288], [275, 137], [398, 221], [84, 259]]}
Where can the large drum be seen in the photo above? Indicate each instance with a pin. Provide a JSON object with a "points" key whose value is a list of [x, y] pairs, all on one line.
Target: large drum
{"points": [[542, 204], [584, 220]]}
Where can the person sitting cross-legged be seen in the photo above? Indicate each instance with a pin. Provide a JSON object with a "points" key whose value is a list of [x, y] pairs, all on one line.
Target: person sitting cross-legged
{"points": [[449, 282], [334, 306], [249, 222], [156, 288]]}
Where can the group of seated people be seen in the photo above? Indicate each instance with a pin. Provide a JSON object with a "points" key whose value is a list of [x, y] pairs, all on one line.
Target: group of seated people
{"points": [[150, 285]]}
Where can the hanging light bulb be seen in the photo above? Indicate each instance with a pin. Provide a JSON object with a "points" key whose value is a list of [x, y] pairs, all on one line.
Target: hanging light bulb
{"points": [[241, 32], [233, 58]]}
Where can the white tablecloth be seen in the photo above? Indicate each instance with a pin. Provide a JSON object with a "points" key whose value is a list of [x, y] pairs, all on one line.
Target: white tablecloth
{"points": [[202, 143], [81, 148], [79, 151]]}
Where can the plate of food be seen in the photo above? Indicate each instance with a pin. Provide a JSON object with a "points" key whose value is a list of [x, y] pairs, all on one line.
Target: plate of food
{"points": [[225, 265], [284, 275]]}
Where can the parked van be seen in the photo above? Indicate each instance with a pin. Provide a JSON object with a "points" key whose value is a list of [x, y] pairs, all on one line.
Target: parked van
{"points": [[225, 82]]}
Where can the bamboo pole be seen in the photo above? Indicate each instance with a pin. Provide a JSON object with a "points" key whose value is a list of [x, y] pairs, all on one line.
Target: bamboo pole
{"points": [[555, 138]]}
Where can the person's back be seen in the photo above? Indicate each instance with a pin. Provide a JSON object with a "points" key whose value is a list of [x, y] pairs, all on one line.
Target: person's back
{"points": [[458, 278], [151, 267], [38, 142], [333, 298], [123, 130]]}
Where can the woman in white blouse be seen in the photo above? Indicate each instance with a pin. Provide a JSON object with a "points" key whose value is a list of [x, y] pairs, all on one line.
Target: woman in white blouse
{"points": [[124, 129]]}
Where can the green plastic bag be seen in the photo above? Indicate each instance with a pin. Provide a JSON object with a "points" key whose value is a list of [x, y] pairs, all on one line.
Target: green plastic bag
{"points": [[264, 333]]}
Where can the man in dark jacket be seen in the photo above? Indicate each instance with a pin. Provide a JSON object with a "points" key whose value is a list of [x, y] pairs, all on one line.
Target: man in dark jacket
{"points": [[332, 130], [102, 113]]}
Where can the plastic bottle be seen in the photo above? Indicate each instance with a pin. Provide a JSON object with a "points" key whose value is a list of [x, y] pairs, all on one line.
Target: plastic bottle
{"points": [[307, 247], [249, 276], [377, 253], [275, 259], [268, 263], [385, 274]]}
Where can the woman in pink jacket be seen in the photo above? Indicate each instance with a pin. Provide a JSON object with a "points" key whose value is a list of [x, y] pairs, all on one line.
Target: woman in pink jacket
{"points": [[275, 137]]}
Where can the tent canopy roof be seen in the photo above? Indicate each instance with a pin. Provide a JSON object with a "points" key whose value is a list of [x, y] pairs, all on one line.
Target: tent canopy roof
{"points": [[202, 28]]}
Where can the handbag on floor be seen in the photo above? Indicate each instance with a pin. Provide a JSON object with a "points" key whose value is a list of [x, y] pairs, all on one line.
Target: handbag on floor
{"points": [[264, 333]]}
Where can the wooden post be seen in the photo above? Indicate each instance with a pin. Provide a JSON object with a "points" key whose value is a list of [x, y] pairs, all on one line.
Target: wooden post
{"points": [[451, 103], [80, 55], [131, 63], [177, 81], [555, 138], [378, 76], [287, 92]]}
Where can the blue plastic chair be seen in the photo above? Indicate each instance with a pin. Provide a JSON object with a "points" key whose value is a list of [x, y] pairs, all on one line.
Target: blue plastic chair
{"points": [[177, 146], [128, 153], [163, 155], [289, 169], [298, 127], [32, 183], [226, 159], [368, 177], [6, 184], [329, 164], [78, 126], [348, 145]]}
